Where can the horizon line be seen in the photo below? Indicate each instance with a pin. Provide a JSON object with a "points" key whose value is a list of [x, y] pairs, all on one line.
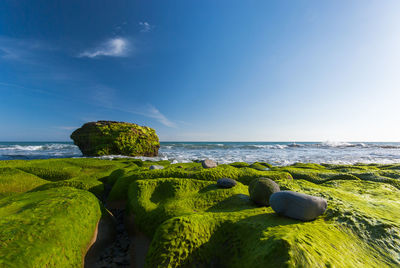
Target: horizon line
{"points": [[293, 141]]}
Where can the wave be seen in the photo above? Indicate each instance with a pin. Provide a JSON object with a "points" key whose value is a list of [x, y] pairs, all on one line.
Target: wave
{"points": [[44, 147], [10, 151], [276, 146], [277, 153]]}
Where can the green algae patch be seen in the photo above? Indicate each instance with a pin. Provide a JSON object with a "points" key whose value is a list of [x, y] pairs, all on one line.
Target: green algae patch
{"points": [[257, 238], [47, 228], [13, 180], [239, 164], [156, 200], [322, 173], [116, 138], [87, 174], [48, 215], [193, 223], [192, 171], [94, 186], [261, 166]]}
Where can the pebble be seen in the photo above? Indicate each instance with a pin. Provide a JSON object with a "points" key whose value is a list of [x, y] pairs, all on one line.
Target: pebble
{"points": [[155, 167], [226, 183], [208, 163]]}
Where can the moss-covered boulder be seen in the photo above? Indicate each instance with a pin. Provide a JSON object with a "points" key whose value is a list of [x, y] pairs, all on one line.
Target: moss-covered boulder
{"points": [[116, 138], [50, 228], [261, 189]]}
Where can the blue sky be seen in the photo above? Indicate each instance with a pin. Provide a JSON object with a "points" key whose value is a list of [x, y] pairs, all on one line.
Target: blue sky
{"points": [[202, 70]]}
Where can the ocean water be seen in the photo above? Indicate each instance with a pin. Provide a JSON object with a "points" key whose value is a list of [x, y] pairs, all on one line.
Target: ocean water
{"points": [[276, 153]]}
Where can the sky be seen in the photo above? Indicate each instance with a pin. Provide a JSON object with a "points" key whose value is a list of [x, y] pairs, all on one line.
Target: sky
{"points": [[202, 70]]}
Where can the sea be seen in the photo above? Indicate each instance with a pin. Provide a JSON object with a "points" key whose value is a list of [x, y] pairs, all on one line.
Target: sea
{"points": [[275, 153]]}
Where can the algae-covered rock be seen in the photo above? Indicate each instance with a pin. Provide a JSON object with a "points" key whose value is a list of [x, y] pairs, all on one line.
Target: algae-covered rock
{"points": [[193, 223], [261, 189], [297, 205], [226, 183], [50, 228], [239, 164], [261, 166], [116, 138]]}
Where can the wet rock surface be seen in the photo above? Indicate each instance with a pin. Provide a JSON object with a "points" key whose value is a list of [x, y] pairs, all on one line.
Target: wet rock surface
{"points": [[117, 253]]}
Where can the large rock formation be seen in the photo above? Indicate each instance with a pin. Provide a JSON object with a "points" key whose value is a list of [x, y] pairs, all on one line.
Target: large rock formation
{"points": [[116, 138]]}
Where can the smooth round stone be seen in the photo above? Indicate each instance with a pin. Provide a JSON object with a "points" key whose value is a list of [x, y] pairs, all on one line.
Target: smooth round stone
{"points": [[156, 167], [261, 189], [208, 163], [297, 205], [226, 183]]}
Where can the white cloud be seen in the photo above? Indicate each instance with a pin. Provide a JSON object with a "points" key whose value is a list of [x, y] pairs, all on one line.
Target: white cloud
{"points": [[145, 27], [116, 47]]}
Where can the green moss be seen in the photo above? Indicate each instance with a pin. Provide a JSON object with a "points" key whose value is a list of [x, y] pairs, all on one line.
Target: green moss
{"points": [[94, 186], [193, 223], [86, 174], [261, 166], [178, 197], [108, 137], [193, 171], [239, 164], [258, 239], [48, 228], [13, 180], [261, 189]]}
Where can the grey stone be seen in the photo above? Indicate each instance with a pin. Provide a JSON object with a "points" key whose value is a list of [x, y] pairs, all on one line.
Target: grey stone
{"points": [[208, 163], [156, 167], [260, 190], [226, 183], [297, 205]]}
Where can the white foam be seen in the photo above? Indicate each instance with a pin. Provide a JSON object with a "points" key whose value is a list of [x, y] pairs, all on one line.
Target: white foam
{"points": [[336, 144], [274, 153]]}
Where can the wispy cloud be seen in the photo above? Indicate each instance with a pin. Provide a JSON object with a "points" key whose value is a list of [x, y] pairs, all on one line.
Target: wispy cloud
{"points": [[153, 112], [23, 50], [22, 88], [105, 97], [148, 111], [115, 47], [145, 27]]}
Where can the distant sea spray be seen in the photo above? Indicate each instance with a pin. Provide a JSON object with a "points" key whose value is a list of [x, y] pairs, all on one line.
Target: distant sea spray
{"points": [[276, 153]]}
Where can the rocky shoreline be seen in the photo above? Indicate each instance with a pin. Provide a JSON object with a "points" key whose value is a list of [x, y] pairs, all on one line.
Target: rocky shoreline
{"points": [[158, 214]]}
